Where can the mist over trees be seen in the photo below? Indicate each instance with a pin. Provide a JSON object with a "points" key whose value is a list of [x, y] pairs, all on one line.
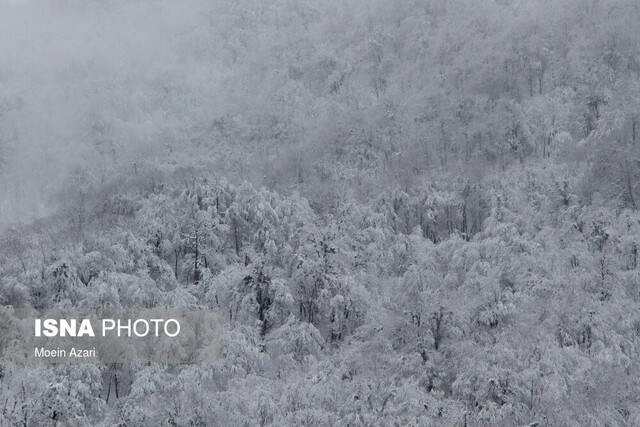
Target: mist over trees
{"points": [[410, 212]]}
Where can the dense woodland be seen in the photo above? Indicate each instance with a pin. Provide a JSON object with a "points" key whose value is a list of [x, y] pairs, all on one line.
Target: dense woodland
{"points": [[418, 212]]}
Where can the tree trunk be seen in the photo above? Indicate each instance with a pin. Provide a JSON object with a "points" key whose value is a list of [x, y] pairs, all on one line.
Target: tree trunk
{"points": [[196, 271], [175, 268], [540, 80], [235, 236]]}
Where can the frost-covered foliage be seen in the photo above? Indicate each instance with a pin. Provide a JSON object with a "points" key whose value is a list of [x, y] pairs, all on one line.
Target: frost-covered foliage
{"points": [[335, 98], [349, 318], [409, 212]]}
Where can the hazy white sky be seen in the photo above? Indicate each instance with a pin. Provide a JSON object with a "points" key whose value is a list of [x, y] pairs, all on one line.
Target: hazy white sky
{"points": [[84, 79]]}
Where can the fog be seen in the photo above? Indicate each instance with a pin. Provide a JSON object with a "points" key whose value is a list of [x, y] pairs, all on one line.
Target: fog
{"points": [[408, 212], [93, 85]]}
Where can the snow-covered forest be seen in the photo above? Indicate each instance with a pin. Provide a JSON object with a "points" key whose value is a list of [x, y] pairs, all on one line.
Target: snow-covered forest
{"points": [[410, 212]]}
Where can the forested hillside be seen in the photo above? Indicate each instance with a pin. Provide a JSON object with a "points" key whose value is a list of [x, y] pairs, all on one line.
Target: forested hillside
{"points": [[409, 212]]}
